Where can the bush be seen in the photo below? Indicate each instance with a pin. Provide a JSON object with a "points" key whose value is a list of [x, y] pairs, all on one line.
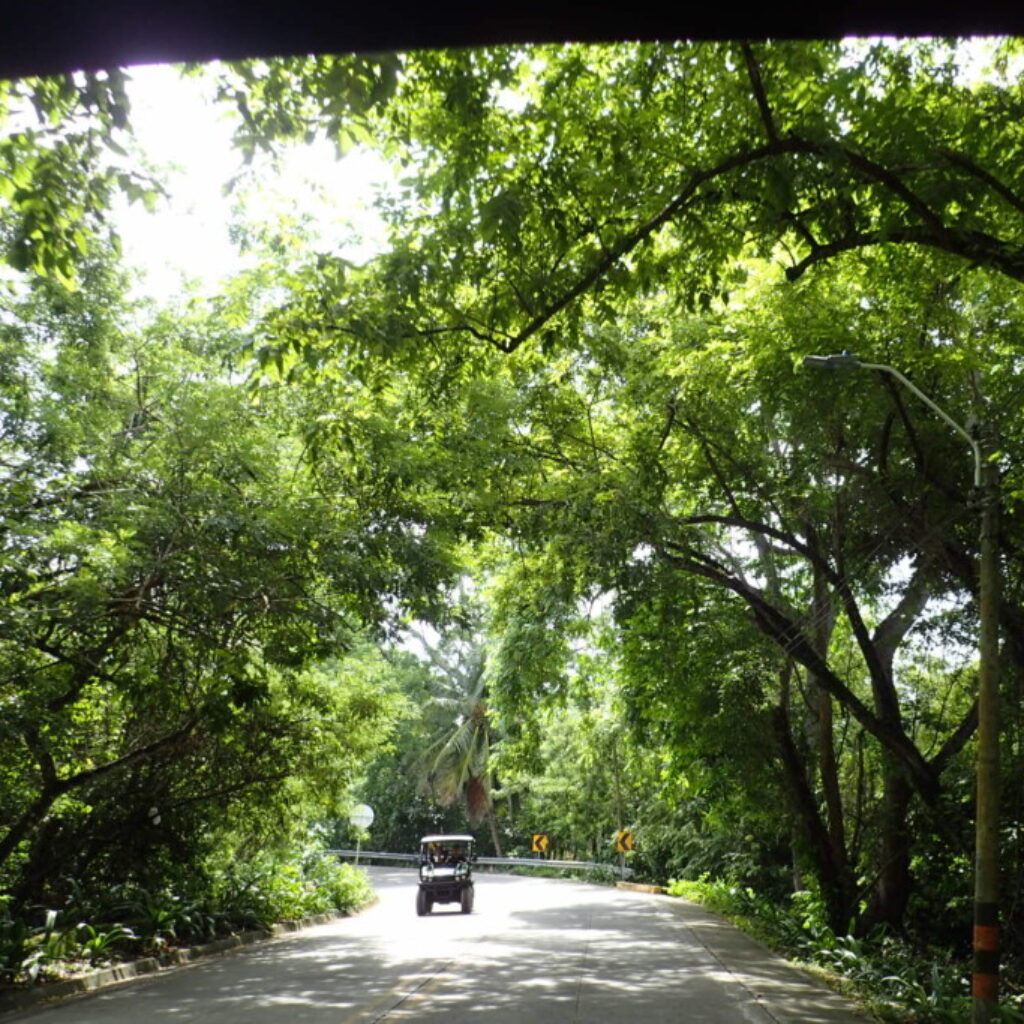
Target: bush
{"points": [[265, 891], [336, 886], [33, 953], [130, 920]]}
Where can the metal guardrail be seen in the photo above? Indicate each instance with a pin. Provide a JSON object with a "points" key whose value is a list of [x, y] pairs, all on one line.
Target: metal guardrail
{"points": [[509, 862], [409, 858]]}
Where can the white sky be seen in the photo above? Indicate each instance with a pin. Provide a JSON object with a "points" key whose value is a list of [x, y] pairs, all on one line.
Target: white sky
{"points": [[187, 137]]}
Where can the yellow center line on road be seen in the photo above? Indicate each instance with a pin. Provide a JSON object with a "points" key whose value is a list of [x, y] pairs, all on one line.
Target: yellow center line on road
{"points": [[411, 987], [408, 1006]]}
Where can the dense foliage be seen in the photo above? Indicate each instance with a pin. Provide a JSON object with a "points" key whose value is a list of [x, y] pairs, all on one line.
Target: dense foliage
{"points": [[63, 159], [605, 267], [183, 668], [728, 605], [126, 920]]}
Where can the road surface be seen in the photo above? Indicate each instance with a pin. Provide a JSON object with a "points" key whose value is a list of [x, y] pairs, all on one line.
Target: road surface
{"points": [[544, 950]]}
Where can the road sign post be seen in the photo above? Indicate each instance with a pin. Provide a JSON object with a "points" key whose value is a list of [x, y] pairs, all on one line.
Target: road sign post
{"points": [[362, 818], [623, 845]]}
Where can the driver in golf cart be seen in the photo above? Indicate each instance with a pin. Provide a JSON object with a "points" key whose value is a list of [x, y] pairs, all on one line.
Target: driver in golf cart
{"points": [[446, 868]]}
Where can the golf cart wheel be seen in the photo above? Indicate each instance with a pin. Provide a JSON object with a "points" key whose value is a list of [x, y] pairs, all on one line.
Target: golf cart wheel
{"points": [[422, 903], [467, 900]]}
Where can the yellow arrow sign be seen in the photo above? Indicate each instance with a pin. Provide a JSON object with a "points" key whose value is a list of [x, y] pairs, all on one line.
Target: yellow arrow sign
{"points": [[623, 841], [540, 843]]}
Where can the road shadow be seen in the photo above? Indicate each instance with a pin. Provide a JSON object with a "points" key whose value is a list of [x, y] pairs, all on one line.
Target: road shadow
{"points": [[552, 950]]}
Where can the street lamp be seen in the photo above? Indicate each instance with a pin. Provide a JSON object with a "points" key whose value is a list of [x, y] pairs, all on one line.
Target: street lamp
{"points": [[985, 975]]}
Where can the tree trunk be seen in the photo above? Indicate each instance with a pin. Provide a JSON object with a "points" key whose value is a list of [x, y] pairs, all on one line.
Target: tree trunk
{"points": [[833, 877], [29, 821], [493, 824], [893, 881], [54, 787], [823, 617], [795, 842]]}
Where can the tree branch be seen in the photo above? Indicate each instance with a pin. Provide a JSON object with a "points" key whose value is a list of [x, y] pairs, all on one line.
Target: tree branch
{"points": [[957, 741], [56, 787], [976, 246], [980, 248], [788, 635], [756, 83], [894, 627], [967, 164]]}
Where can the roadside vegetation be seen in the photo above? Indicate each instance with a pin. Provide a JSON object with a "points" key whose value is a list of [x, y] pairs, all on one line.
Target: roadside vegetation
{"points": [[895, 979], [534, 522], [128, 921]]}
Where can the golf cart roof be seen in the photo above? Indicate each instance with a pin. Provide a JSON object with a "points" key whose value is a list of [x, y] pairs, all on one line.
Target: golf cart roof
{"points": [[447, 839]]}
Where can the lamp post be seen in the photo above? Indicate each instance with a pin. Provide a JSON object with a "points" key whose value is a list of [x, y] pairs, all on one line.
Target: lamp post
{"points": [[985, 974]]}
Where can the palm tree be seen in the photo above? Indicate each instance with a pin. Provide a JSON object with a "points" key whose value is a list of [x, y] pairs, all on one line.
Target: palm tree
{"points": [[456, 765]]}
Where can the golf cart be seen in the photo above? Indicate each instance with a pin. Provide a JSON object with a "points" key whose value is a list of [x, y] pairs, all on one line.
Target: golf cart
{"points": [[446, 872]]}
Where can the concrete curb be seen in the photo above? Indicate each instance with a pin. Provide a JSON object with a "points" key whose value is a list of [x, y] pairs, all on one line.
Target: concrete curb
{"points": [[58, 991], [658, 890]]}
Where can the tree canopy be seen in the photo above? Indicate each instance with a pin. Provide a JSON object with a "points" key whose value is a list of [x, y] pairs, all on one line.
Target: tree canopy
{"points": [[172, 576], [605, 265], [575, 374], [545, 187]]}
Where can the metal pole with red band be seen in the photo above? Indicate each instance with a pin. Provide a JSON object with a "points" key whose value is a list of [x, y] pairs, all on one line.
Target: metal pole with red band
{"points": [[985, 980]]}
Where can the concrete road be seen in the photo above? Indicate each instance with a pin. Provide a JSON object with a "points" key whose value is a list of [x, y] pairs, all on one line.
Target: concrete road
{"points": [[532, 950]]}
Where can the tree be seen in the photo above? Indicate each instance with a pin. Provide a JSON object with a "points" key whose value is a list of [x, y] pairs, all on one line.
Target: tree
{"points": [[694, 441], [456, 765], [584, 344], [171, 574], [393, 784]]}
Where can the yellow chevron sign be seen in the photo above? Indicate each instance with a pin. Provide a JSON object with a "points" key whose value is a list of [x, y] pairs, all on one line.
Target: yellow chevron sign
{"points": [[540, 843], [623, 841]]}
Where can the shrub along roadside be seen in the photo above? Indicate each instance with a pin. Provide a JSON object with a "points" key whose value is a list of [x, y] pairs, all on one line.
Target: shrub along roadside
{"points": [[897, 981], [131, 921]]}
